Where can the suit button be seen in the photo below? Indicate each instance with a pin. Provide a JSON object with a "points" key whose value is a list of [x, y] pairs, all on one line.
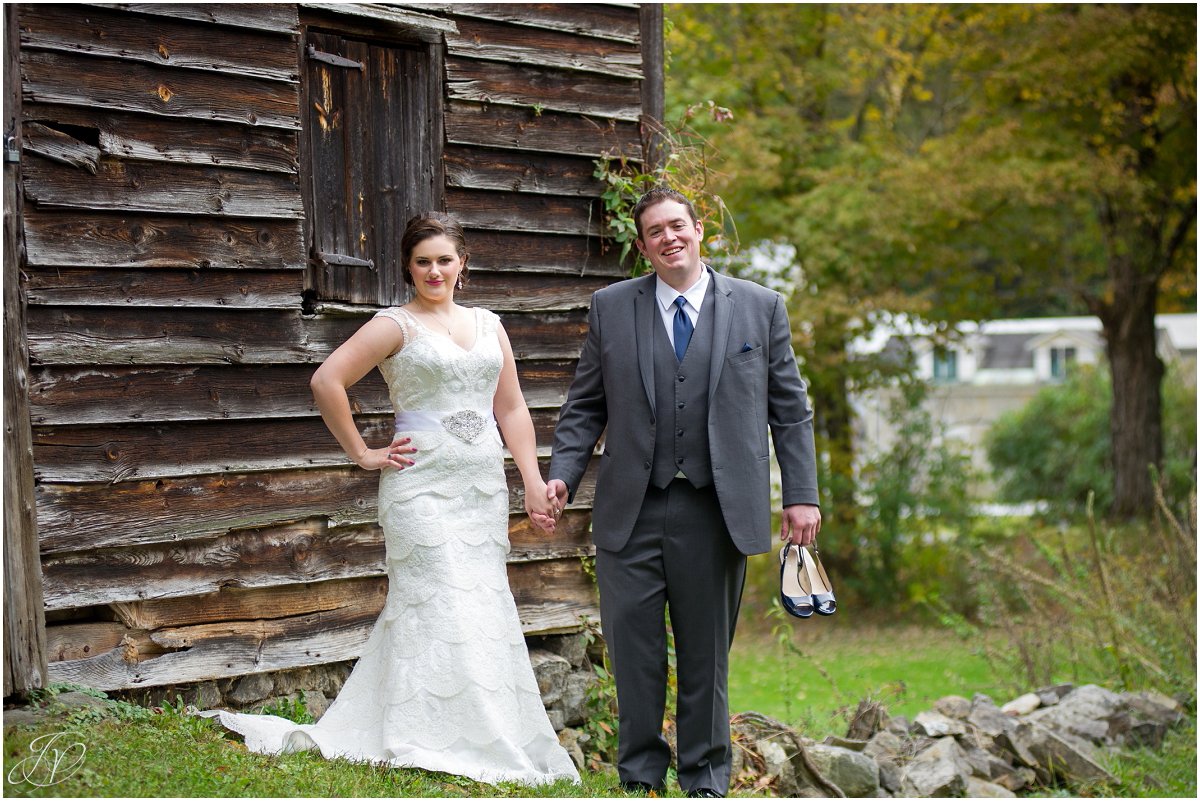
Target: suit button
{"points": [[680, 406], [647, 464], [679, 433], [682, 378]]}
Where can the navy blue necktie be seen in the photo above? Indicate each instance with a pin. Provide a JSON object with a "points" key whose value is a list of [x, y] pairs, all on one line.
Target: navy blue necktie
{"points": [[682, 328]]}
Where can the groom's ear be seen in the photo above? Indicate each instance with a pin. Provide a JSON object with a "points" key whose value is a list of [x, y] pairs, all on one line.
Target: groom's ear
{"points": [[641, 248]]}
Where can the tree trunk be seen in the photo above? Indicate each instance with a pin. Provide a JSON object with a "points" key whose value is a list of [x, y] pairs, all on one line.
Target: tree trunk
{"points": [[1136, 421]]}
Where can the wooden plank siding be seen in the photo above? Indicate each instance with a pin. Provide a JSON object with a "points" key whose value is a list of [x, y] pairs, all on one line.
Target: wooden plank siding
{"points": [[195, 518]]}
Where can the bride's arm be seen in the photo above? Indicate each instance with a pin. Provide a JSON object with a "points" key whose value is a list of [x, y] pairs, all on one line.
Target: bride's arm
{"points": [[512, 415], [344, 368]]}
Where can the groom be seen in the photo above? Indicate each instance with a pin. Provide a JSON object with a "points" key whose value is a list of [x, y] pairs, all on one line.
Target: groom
{"points": [[686, 369]]}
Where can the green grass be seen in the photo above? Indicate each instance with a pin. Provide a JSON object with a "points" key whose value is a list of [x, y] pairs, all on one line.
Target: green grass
{"points": [[130, 752], [906, 668]]}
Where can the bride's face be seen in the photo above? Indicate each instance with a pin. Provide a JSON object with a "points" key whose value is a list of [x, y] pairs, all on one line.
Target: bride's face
{"points": [[434, 267]]}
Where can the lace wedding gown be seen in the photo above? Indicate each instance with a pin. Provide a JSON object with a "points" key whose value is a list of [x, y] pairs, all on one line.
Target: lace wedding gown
{"points": [[444, 681]]}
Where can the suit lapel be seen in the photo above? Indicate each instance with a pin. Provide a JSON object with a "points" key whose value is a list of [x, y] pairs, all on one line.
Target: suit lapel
{"points": [[645, 317], [722, 322]]}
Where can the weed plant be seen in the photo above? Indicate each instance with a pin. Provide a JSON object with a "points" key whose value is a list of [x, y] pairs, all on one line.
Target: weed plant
{"points": [[1076, 601]]}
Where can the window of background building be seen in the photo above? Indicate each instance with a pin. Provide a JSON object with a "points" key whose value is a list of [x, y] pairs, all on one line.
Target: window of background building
{"points": [[945, 365], [1061, 360]]}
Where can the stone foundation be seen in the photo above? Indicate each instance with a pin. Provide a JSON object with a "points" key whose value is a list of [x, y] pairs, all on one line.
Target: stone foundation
{"points": [[561, 665]]}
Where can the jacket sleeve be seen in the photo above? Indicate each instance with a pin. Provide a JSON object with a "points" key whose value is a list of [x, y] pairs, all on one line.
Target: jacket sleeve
{"points": [[789, 414], [583, 416]]}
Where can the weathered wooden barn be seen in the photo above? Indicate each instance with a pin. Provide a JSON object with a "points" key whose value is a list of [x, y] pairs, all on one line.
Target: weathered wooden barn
{"points": [[201, 202]]}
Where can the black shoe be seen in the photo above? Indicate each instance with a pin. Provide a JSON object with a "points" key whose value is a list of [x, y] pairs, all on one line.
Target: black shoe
{"points": [[824, 603], [639, 787], [704, 792], [796, 597]]}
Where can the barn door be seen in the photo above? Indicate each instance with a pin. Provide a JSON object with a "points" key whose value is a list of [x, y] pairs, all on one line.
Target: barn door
{"points": [[373, 146]]}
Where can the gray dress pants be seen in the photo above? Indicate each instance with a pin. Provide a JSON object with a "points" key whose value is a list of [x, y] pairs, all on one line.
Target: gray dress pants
{"points": [[679, 557]]}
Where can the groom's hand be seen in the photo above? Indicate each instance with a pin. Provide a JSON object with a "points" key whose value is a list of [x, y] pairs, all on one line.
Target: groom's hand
{"points": [[800, 524], [556, 493]]}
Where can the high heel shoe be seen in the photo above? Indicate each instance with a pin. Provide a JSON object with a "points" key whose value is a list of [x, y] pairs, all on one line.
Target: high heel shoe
{"points": [[822, 591], [797, 599]]}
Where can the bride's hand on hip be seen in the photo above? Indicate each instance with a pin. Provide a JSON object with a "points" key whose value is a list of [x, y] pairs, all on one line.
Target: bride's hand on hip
{"points": [[396, 456]]}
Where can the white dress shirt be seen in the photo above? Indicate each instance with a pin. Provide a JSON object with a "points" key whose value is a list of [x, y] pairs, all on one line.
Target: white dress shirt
{"points": [[694, 295]]}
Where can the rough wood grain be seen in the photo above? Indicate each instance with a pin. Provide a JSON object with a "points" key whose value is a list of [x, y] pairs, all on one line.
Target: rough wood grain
{"points": [[608, 21], [271, 603], [542, 88], [294, 553], [98, 239], [75, 517], [58, 146], [83, 395], [79, 80], [152, 335], [528, 292], [83, 640], [520, 251], [162, 188], [159, 41], [524, 44], [224, 289], [277, 17], [149, 138], [546, 132], [509, 171], [73, 395], [24, 618], [551, 596], [505, 211], [171, 450], [199, 653]]}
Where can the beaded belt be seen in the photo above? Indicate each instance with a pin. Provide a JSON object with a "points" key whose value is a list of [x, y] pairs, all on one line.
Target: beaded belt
{"points": [[467, 425]]}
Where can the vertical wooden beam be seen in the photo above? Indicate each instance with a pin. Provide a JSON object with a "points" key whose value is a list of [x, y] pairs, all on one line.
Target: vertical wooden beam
{"points": [[653, 82], [24, 614]]}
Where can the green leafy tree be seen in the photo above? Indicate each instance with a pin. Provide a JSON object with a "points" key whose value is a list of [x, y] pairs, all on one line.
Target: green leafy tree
{"points": [[954, 162], [1058, 448]]}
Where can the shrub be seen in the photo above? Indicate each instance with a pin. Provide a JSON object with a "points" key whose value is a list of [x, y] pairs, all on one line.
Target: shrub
{"points": [[1058, 448]]}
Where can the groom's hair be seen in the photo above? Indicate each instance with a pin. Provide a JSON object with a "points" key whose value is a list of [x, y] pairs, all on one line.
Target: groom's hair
{"points": [[428, 225], [655, 196]]}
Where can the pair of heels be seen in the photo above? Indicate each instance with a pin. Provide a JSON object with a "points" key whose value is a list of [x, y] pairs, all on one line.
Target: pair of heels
{"points": [[804, 586]]}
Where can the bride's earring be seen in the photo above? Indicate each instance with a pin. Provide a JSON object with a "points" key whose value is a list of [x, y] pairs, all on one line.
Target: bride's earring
{"points": [[458, 284]]}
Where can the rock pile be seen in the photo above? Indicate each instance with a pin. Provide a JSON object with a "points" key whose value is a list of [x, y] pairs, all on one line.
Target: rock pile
{"points": [[959, 748]]}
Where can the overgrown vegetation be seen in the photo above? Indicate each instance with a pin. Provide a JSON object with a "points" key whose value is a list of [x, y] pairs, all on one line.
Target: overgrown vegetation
{"points": [[683, 163], [1058, 448], [1091, 599]]}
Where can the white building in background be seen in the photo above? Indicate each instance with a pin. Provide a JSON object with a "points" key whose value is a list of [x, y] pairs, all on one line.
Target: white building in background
{"points": [[995, 367]]}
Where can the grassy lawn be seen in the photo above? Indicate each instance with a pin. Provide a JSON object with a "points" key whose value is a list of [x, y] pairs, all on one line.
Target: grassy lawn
{"points": [[906, 668], [130, 754], [133, 752]]}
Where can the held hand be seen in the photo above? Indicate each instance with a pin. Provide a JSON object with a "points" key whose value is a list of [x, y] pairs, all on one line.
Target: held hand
{"points": [[539, 507], [800, 523], [556, 498], [394, 456]]}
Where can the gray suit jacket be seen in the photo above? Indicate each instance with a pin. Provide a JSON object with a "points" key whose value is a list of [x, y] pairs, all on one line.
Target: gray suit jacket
{"points": [[753, 384]]}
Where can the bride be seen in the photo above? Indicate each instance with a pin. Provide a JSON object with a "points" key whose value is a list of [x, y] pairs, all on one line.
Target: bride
{"points": [[444, 681]]}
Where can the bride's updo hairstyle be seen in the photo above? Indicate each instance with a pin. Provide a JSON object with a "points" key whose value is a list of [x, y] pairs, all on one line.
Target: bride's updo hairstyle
{"points": [[428, 225]]}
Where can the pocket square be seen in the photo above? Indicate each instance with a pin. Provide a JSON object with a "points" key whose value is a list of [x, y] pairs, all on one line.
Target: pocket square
{"points": [[746, 347]]}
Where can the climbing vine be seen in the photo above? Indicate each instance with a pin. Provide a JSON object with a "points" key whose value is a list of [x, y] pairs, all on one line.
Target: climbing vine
{"points": [[686, 166]]}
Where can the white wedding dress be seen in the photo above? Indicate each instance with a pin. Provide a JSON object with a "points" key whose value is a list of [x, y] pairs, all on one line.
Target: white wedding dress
{"points": [[444, 681]]}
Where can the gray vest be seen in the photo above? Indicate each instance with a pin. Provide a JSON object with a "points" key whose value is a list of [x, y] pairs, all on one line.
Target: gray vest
{"points": [[681, 403]]}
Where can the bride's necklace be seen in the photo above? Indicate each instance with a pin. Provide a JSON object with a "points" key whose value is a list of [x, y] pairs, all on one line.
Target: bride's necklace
{"points": [[439, 320]]}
